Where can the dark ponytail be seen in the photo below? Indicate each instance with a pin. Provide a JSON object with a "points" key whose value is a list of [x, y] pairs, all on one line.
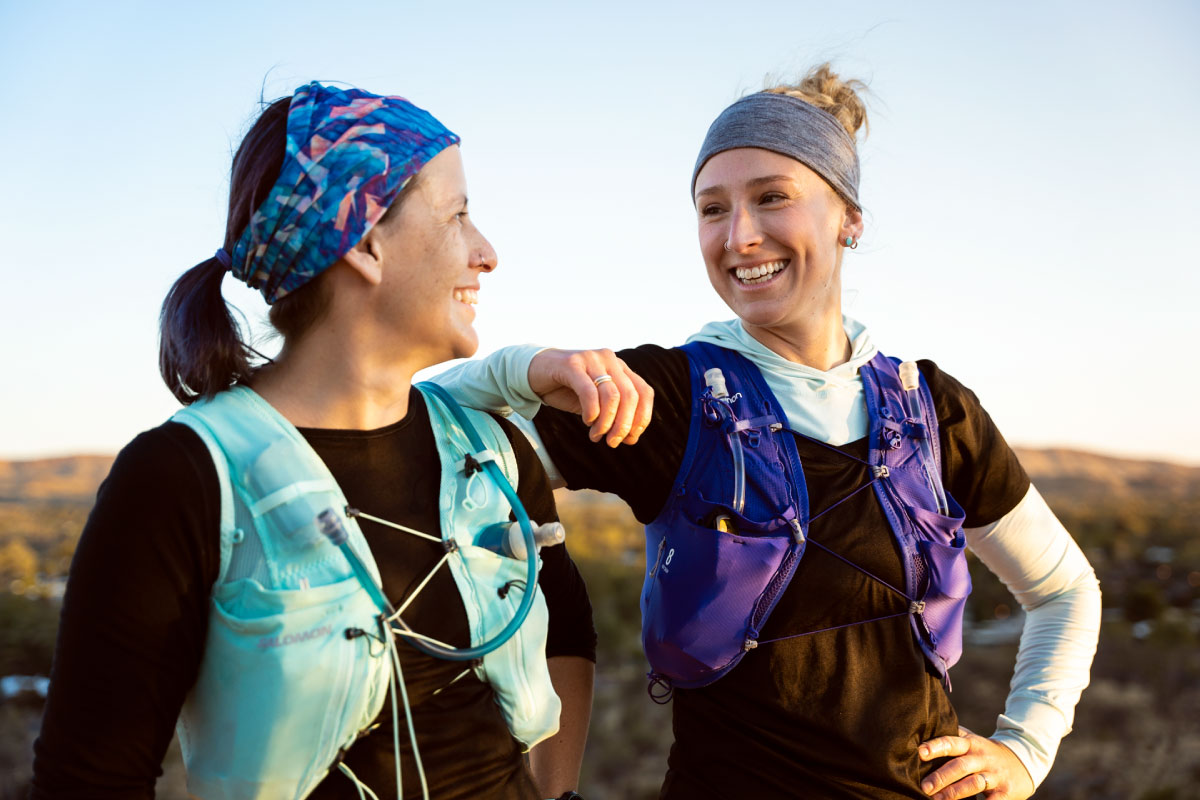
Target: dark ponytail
{"points": [[200, 350]]}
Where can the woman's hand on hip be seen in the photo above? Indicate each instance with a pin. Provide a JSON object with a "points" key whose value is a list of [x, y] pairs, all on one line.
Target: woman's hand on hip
{"points": [[977, 766], [610, 397]]}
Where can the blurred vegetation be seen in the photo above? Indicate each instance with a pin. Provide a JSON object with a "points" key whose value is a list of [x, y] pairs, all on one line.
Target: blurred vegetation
{"points": [[1137, 729]]}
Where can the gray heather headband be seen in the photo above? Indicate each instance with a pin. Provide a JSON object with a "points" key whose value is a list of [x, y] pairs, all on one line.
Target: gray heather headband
{"points": [[791, 127]]}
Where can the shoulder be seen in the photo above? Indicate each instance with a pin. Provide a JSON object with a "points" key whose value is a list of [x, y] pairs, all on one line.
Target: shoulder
{"points": [[948, 392], [659, 366], [981, 470], [533, 486], [171, 455], [160, 504], [522, 448]]}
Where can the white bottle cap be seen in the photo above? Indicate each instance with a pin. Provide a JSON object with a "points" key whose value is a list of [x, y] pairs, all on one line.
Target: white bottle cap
{"points": [[550, 534], [715, 379]]}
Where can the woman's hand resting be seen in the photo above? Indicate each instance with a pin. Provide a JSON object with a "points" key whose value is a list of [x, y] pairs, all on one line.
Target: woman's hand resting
{"points": [[977, 766], [618, 410]]}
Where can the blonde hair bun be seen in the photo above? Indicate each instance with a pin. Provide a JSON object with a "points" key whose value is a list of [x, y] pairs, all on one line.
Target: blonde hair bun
{"points": [[823, 88]]}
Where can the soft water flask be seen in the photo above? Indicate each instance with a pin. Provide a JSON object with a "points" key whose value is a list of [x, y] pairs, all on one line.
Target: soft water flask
{"points": [[507, 539]]}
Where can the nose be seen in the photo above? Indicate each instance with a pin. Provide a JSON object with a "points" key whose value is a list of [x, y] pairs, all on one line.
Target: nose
{"points": [[743, 234], [486, 258]]}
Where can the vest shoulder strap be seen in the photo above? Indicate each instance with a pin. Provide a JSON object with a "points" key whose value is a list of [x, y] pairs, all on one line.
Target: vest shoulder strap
{"points": [[886, 410], [447, 418], [262, 462]]}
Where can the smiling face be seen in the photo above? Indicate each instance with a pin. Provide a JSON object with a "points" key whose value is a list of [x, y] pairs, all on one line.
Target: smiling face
{"points": [[770, 232], [432, 255]]}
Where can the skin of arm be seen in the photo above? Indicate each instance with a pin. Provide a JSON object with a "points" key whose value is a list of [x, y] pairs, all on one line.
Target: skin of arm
{"points": [[1043, 567], [555, 762]]}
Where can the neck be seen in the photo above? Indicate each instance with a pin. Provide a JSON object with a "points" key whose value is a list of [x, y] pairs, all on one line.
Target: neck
{"points": [[328, 379], [820, 343]]}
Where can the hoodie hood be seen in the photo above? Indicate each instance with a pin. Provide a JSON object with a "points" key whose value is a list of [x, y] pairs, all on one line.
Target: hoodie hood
{"points": [[828, 406]]}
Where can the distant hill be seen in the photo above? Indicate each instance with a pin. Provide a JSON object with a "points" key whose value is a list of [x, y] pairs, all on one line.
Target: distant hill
{"points": [[1081, 478], [1075, 474], [69, 479]]}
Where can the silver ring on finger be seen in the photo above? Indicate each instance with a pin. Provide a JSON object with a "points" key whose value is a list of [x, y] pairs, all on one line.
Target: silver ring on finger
{"points": [[987, 782], [599, 379]]}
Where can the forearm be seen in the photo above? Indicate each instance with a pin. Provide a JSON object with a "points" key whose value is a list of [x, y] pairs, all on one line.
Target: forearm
{"points": [[555, 762], [499, 382], [1031, 552]]}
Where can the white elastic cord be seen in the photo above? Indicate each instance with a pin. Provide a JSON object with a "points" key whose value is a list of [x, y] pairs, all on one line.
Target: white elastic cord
{"points": [[457, 678], [398, 677], [469, 503], [362, 787], [424, 582], [421, 636], [398, 527]]}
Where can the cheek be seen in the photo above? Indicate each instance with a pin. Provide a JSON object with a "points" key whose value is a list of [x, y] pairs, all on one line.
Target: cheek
{"points": [[712, 245]]}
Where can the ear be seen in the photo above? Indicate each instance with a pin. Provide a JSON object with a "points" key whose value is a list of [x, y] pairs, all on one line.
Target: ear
{"points": [[366, 258], [852, 224]]}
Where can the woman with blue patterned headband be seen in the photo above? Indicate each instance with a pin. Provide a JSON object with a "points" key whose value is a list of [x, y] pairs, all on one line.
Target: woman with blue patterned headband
{"points": [[314, 567], [808, 501]]}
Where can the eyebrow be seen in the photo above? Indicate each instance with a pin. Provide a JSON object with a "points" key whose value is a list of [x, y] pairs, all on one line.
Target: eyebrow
{"points": [[751, 182]]}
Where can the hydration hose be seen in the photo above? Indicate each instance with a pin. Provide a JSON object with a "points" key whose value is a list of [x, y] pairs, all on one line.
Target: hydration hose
{"points": [[910, 380], [715, 380]]}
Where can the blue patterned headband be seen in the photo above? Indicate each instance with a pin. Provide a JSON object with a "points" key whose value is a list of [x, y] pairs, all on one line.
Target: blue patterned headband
{"points": [[791, 127], [349, 153]]}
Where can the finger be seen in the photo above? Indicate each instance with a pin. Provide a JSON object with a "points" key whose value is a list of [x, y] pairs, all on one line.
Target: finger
{"points": [[943, 747], [623, 421], [609, 398], [951, 773], [645, 408], [970, 786], [581, 383]]}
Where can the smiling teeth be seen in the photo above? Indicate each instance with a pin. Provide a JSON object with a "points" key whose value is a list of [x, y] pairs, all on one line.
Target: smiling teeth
{"points": [[468, 296], [759, 274]]}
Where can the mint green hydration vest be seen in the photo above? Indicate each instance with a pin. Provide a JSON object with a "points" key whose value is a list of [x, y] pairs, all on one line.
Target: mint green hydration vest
{"points": [[282, 689]]}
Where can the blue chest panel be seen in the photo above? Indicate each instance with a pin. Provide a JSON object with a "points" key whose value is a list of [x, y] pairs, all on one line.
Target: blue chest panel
{"points": [[729, 538]]}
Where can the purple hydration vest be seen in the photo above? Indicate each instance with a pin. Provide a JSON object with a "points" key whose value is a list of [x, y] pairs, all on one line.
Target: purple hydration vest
{"points": [[722, 550]]}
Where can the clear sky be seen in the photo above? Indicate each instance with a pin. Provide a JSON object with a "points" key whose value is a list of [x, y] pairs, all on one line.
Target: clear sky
{"points": [[1029, 179]]}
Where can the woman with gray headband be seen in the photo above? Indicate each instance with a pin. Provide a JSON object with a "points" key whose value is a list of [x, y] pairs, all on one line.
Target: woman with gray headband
{"points": [[808, 500]]}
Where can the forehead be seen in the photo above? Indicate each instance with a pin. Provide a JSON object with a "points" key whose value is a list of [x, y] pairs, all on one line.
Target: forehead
{"points": [[743, 167], [443, 180]]}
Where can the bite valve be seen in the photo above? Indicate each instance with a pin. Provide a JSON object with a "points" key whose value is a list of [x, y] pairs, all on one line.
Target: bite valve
{"points": [[909, 377], [506, 538], [714, 379]]}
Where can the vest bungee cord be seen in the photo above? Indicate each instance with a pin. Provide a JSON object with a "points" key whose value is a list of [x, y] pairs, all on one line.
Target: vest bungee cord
{"points": [[392, 625]]}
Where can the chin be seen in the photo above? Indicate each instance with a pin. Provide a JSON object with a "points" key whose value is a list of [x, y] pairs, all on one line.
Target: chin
{"points": [[466, 346]]}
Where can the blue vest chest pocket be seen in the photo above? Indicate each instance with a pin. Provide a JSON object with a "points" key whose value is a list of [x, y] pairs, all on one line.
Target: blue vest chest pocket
{"points": [[943, 577], [707, 592]]}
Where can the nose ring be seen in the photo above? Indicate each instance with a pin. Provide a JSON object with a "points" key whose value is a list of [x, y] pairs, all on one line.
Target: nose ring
{"points": [[727, 247]]}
